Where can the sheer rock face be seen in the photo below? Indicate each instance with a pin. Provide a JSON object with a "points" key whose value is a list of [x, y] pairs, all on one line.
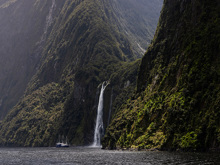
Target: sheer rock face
{"points": [[67, 48], [177, 100], [20, 32]]}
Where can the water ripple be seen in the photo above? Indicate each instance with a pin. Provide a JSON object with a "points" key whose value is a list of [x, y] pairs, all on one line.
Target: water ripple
{"points": [[92, 156]]}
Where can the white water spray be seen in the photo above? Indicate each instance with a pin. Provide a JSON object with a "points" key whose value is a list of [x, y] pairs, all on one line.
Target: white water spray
{"points": [[99, 129]]}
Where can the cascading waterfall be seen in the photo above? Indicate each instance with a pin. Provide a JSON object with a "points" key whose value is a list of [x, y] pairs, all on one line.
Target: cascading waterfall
{"points": [[99, 128], [49, 21], [49, 18]]}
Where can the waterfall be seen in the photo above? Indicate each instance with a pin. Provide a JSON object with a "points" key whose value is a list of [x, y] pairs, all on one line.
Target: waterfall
{"points": [[49, 20], [99, 129], [48, 23]]}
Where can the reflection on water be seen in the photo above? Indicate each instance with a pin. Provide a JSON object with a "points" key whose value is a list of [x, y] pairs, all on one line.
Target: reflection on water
{"points": [[82, 155]]}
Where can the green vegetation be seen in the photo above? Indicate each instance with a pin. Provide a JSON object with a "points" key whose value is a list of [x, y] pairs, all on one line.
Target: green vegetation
{"points": [[35, 119], [177, 101], [20, 49], [84, 45]]}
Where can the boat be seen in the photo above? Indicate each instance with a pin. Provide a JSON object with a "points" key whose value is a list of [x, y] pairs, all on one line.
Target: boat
{"points": [[62, 144]]}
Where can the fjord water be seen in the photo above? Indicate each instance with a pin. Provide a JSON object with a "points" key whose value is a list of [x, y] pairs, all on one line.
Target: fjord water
{"points": [[87, 156]]}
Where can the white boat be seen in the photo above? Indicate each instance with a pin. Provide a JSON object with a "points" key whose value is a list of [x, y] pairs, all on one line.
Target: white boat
{"points": [[62, 144]]}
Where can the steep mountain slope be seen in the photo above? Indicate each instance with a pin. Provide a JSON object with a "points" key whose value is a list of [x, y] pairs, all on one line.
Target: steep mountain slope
{"points": [[137, 19], [22, 36], [24, 31], [84, 46], [178, 90]]}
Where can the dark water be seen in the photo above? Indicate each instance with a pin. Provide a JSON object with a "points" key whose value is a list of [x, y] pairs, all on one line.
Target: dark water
{"points": [[93, 156]]}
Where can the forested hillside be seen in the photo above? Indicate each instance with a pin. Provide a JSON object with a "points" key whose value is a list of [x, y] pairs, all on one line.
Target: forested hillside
{"points": [[177, 103], [78, 45], [23, 32]]}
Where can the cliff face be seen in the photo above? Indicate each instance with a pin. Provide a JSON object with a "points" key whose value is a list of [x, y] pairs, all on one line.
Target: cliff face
{"points": [[22, 31], [84, 45], [137, 19], [178, 98]]}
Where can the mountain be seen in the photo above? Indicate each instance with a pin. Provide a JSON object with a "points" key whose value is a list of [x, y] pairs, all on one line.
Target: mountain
{"points": [[22, 36], [176, 105], [137, 19], [77, 45], [24, 31]]}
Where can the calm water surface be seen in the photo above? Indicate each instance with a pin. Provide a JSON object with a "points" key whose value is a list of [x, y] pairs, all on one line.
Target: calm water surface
{"points": [[93, 156]]}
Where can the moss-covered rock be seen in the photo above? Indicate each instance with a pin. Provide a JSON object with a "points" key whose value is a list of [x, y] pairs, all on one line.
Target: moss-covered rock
{"points": [[85, 44], [177, 101]]}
